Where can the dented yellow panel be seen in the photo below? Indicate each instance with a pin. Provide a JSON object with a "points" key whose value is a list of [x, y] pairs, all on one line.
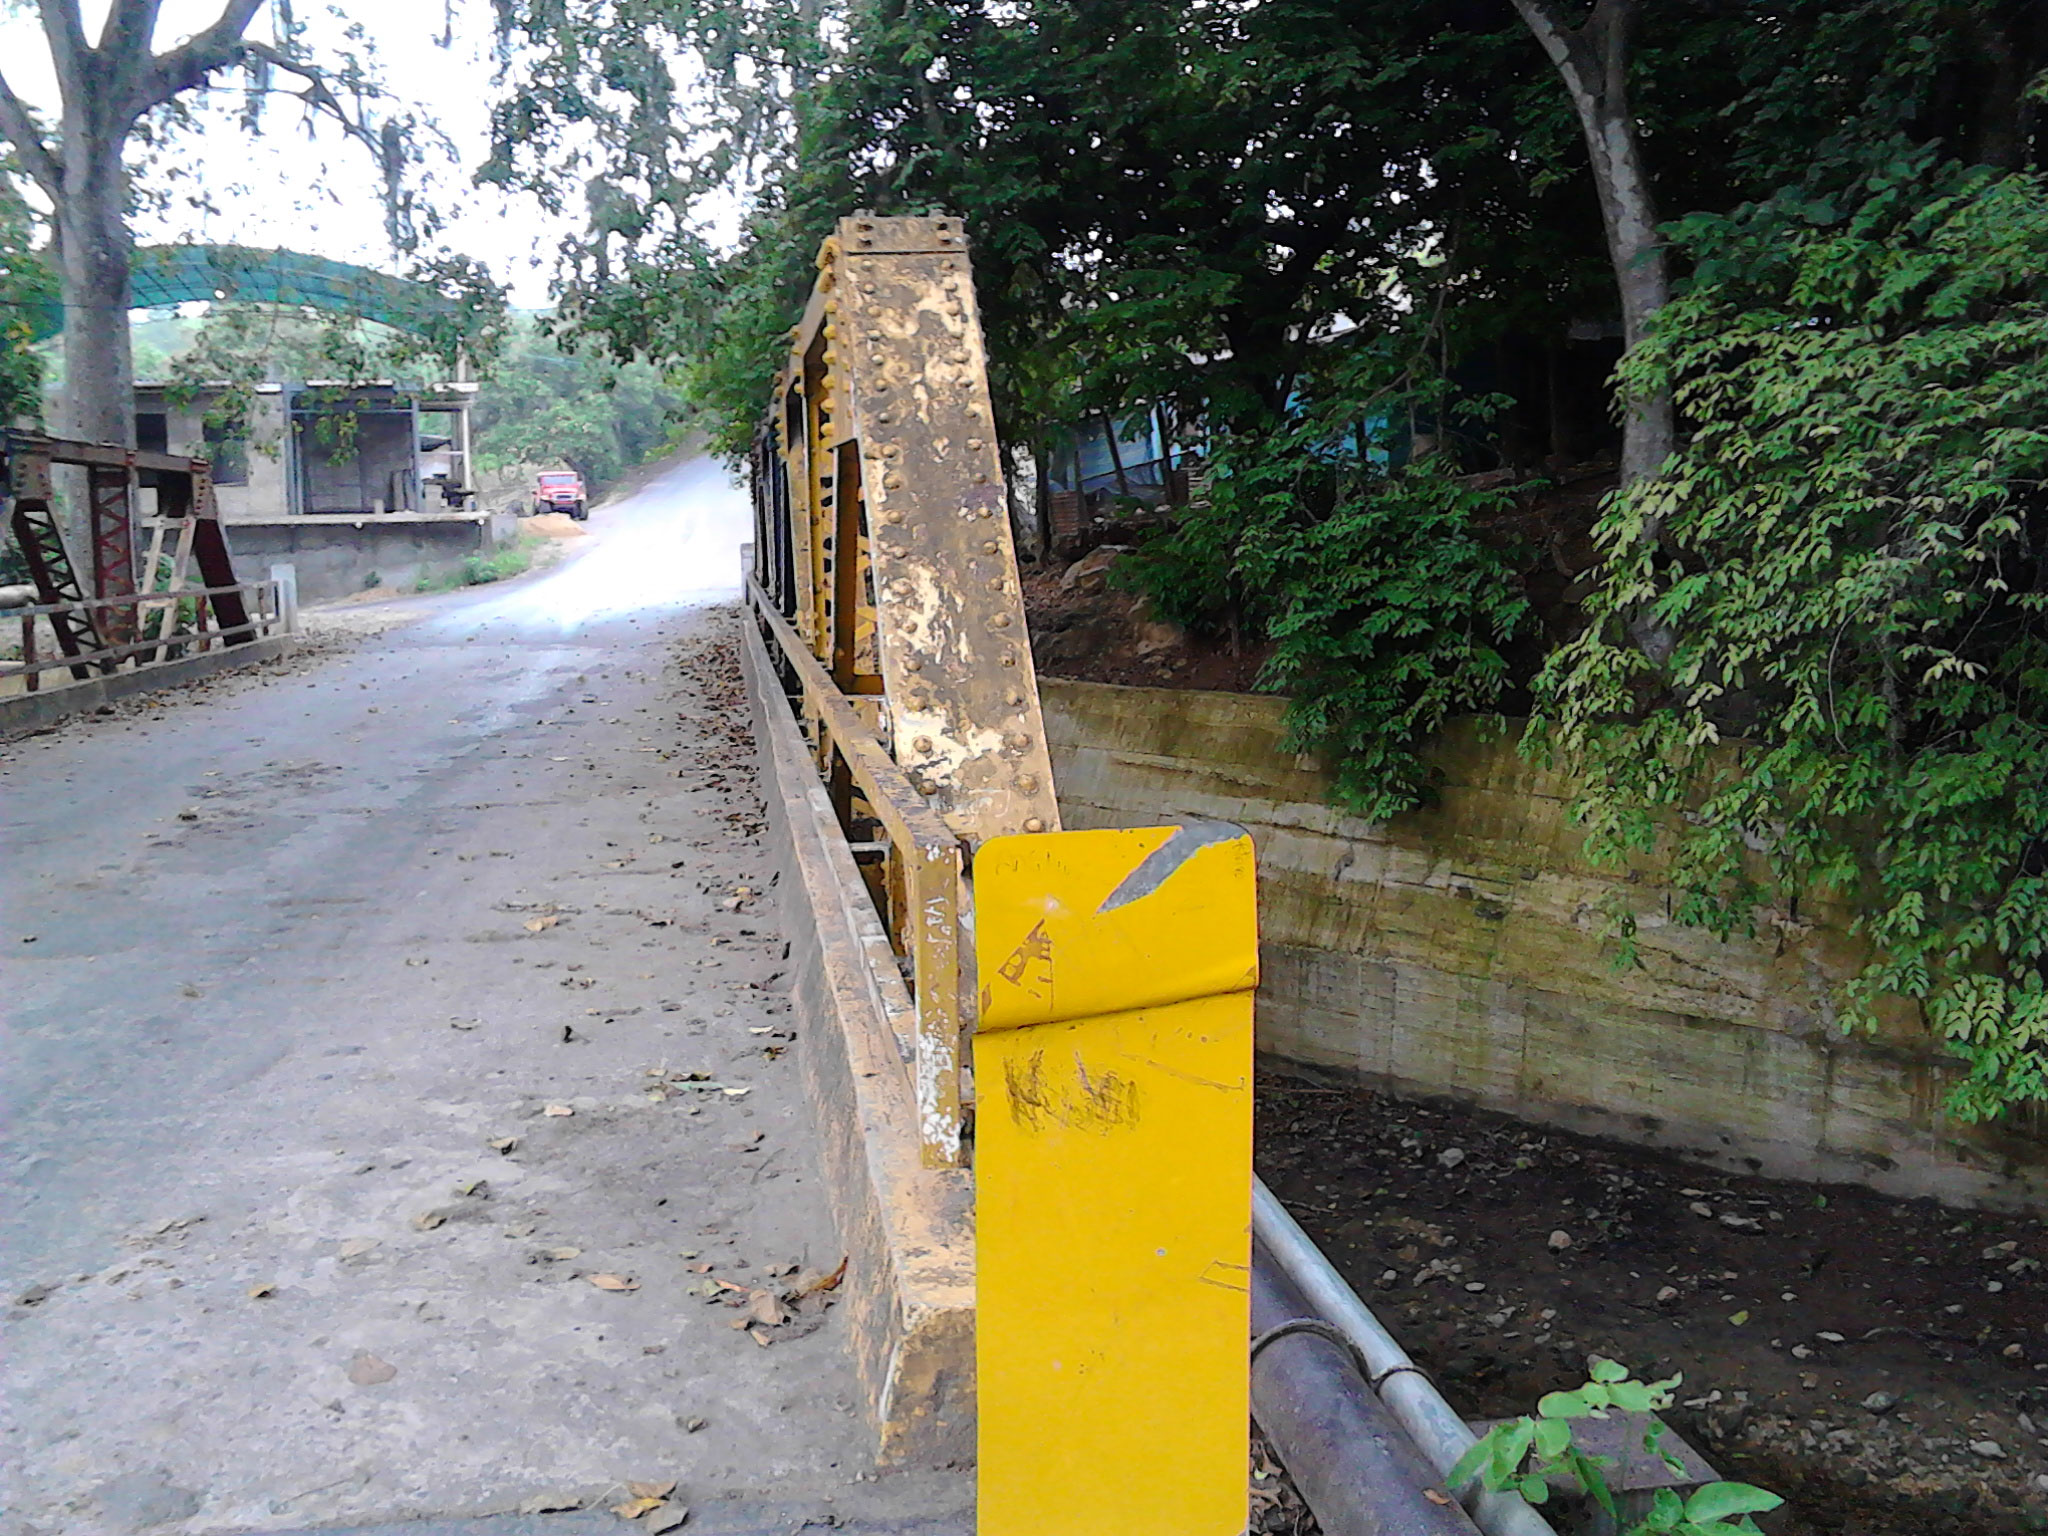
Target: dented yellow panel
{"points": [[1113, 1180]]}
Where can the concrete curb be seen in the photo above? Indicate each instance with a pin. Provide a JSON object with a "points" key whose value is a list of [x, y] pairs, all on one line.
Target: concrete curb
{"points": [[908, 1230], [26, 712]]}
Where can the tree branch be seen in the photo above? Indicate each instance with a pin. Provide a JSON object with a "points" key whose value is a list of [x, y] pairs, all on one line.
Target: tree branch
{"points": [[316, 95], [185, 67], [65, 32], [37, 158], [129, 28]]}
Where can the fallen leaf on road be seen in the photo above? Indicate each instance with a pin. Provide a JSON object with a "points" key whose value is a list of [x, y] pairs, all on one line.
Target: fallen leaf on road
{"points": [[503, 1144], [763, 1307], [656, 1491], [613, 1282], [356, 1247], [477, 1189], [633, 1509], [737, 1093], [366, 1370], [426, 1221], [541, 924], [1435, 1497], [561, 1255], [558, 1110], [821, 1283], [667, 1518], [699, 1269], [759, 1337], [258, 1292]]}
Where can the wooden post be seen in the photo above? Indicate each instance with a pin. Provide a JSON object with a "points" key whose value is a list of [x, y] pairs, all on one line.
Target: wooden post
{"points": [[34, 680]]}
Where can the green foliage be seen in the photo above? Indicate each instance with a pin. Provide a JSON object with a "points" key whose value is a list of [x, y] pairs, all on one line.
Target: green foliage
{"points": [[26, 286], [1386, 609], [515, 559], [545, 404], [1854, 564], [1528, 1453]]}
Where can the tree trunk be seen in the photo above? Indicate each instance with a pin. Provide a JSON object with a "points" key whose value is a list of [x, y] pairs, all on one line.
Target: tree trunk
{"points": [[1593, 62], [94, 259]]}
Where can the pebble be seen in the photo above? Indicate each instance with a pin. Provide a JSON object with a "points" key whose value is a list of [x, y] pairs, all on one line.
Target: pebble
{"points": [[1668, 1294], [1735, 1223], [1701, 1208], [1450, 1157], [1990, 1450], [1880, 1402], [1559, 1241]]}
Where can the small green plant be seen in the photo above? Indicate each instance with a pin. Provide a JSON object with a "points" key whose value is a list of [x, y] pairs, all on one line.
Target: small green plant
{"points": [[1525, 1454]]}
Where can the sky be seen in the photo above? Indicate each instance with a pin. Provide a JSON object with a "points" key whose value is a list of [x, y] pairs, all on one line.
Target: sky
{"points": [[320, 193]]}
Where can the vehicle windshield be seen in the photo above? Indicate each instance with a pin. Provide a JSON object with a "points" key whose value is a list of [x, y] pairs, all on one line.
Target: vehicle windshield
{"points": [[558, 479]]}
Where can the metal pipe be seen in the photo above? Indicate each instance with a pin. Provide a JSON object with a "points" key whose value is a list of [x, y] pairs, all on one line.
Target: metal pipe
{"points": [[1435, 1427], [1354, 1466]]}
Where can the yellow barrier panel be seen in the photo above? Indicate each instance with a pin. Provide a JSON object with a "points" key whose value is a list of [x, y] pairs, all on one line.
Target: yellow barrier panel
{"points": [[1113, 1065]]}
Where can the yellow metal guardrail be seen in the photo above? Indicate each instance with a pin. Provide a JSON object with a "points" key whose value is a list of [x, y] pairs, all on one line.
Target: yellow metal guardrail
{"points": [[1083, 1028]]}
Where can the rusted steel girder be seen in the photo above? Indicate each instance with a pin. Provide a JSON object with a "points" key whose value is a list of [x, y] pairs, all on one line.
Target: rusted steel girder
{"points": [[898, 533]]}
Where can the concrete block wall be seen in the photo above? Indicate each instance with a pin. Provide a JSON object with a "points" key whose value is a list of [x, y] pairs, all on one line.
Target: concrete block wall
{"points": [[1458, 952], [336, 556]]}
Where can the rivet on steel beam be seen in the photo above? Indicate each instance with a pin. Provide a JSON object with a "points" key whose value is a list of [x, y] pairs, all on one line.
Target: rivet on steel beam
{"points": [[1001, 621], [974, 442], [1033, 824], [900, 586], [990, 547], [1017, 740], [892, 451], [1027, 783], [1013, 695], [1009, 658], [922, 744], [927, 789], [893, 515], [867, 287], [913, 664], [919, 700], [981, 480], [892, 482]]}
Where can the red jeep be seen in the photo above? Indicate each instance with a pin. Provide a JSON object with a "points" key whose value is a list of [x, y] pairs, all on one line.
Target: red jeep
{"points": [[560, 491]]}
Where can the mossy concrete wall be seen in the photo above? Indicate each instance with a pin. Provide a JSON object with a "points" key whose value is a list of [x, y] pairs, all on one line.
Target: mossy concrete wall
{"points": [[1459, 951]]}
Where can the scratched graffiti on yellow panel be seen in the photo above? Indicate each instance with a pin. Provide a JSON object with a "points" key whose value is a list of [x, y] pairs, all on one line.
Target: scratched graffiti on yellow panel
{"points": [[1113, 1172]]}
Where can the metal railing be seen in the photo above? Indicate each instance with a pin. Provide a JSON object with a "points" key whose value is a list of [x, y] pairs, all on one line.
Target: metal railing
{"points": [[927, 854], [157, 617]]}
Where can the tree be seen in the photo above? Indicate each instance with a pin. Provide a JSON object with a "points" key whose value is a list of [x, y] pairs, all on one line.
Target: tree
{"points": [[1593, 61], [108, 89], [546, 404], [26, 287]]}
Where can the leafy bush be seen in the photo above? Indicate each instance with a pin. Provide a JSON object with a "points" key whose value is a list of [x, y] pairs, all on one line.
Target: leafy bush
{"points": [[1386, 611], [1851, 558], [1525, 1454]]}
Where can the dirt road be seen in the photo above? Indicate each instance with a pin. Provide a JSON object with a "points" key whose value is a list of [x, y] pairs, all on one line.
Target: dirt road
{"points": [[397, 1090]]}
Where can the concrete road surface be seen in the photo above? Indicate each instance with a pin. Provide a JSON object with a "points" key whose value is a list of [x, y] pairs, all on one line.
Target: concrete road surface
{"points": [[396, 1077]]}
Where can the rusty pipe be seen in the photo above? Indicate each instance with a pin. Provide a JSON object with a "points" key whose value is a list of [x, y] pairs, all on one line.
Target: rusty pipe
{"points": [[1356, 1468]]}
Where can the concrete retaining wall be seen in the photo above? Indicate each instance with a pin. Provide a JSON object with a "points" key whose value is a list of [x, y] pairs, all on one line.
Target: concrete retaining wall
{"points": [[1458, 952], [336, 556]]}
